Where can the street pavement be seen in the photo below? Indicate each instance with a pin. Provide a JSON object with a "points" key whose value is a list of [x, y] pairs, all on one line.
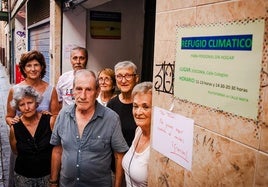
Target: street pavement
{"points": [[5, 150]]}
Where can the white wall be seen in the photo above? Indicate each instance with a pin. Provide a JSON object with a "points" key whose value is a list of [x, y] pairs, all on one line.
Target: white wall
{"points": [[20, 38], [107, 52], [73, 34]]}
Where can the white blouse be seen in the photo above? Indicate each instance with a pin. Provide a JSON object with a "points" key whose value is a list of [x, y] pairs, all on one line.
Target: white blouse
{"points": [[135, 164]]}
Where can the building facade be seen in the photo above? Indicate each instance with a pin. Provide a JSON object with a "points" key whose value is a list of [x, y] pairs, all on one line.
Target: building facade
{"points": [[55, 27]]}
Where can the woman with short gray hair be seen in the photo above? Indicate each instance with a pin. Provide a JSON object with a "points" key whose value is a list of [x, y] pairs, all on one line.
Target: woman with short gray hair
{"points": [[29, 139], [23, 91], [135, 161]]}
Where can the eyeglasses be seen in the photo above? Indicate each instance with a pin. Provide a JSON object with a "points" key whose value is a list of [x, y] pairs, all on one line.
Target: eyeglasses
{"points": [[106, 80], [128, 77]]}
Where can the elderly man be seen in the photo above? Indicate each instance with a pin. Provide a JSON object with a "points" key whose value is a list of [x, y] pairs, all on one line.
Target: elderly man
{"points": [[85, 137], [79, 58]]}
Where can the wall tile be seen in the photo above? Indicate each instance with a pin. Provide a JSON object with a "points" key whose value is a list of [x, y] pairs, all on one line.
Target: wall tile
{"points": [[164, 172], [230, 11], [166, 23], [163, 5], [237, 128], [218, 161], [206, 2], [228, 150], [262, 170]]}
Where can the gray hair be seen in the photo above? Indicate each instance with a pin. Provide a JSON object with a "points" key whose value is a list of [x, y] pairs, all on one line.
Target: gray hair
{"points": [[143, 87], [78, 48], [22, 91], [125, 65], [85, 72]]}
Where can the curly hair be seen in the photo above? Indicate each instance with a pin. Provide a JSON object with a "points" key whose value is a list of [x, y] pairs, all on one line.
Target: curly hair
{"points": [[29, 56], [22, 91]]}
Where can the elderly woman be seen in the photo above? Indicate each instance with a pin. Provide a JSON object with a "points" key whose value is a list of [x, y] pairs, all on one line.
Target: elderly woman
{"points": [[126, 78], [106, 78], [29, 139], [135, 161], [33, 68]]}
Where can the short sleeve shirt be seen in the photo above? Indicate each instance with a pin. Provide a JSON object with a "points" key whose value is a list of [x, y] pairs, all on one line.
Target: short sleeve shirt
{"points": [[86, 161], [65, 88]]}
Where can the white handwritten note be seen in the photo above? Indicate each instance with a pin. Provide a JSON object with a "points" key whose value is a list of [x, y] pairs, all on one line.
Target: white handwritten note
{"points": [[173, 136]]}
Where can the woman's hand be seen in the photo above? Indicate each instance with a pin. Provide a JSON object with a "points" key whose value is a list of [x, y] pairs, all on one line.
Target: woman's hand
{"points": [[12, 121]]}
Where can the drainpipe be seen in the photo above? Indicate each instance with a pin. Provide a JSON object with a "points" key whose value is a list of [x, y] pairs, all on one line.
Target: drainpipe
{"points": [[10, 42]]}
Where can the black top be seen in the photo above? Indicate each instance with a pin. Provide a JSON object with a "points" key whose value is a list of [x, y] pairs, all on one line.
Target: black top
{"points": [[34, 153], [126, 117]]}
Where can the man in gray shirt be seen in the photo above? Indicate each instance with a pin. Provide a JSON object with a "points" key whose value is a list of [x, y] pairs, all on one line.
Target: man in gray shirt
{"points": [[85, 137]]}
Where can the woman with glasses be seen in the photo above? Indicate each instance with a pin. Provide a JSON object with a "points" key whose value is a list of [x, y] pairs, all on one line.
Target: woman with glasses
{"points": [[29, 139], [126, 78], [135, 161], [106, 78]]}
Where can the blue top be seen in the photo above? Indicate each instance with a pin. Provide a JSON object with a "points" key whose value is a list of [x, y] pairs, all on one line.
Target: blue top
{"points": [[45, 104], [86, 161]]}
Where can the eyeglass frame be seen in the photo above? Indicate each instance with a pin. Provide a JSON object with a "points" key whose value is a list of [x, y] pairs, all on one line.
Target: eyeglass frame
{"points": [[128, 77]]}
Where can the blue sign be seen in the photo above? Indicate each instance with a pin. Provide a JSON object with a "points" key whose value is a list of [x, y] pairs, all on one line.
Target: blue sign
{"points": [[227, 42]]}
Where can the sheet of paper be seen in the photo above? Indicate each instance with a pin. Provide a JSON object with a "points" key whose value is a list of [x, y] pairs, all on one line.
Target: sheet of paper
{"points": [[173, 136]]}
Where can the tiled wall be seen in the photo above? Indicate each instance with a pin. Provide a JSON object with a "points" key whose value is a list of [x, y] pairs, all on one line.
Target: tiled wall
{"points": [[228, 150]]}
